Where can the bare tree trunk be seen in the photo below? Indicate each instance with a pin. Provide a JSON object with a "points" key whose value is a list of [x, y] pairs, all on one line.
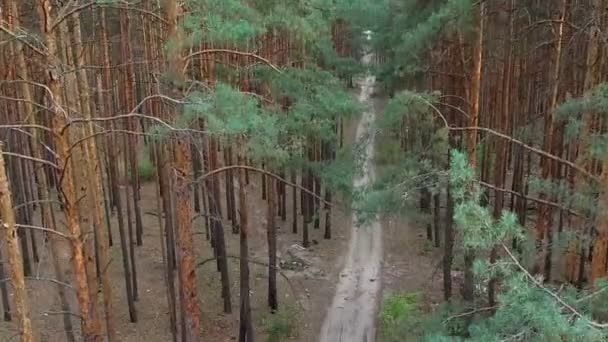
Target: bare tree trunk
{"points": [[437, 218], [95, 192], [471, 138], [182, 164], [272, 248], [130, 103], [14, 256], [294, 203], [66, 185], [246, 333]]}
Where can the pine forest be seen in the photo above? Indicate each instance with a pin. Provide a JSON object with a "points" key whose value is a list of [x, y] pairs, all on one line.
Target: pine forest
{"points": [[303, 170]]}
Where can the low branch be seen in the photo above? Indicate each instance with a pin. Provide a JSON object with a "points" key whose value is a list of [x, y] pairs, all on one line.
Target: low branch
{"points": [[65, 14], [22, 41], [48, 91], [17, 99], [510, 139], [39, 141], [50, 280], [37, 160], [267, 173], [17, 207], [133, 115], [468, 313], [528, 147], [47, 230], [234, 52], [24, 126], [533, 199]]}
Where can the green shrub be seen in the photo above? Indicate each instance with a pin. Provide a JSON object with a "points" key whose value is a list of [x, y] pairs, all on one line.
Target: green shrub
{"points": [[399, 316], [281, 325], [388, 151]]}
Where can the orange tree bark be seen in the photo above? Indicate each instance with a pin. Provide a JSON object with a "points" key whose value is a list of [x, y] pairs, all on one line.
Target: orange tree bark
{"points": [[95, 190], [66, 185], [592, 77], [471, 137], [7, 217], [544, 222], [47, 216], [183, 196]]}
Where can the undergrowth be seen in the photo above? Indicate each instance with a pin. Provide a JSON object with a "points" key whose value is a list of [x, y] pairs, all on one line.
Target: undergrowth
{"points": [[282, 325], [400, 316], [388, 151]]}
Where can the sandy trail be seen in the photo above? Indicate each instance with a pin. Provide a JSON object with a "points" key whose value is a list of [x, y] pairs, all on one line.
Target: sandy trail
{"points": [[351, 317]]}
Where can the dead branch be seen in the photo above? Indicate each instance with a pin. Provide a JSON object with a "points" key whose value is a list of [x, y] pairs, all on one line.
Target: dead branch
{"points": [[266, 172], [37, 160], [21, 40], [533, 199], [510, 139], [528, 147], [43, 229], [17, 207], [234, 52], [468, 313], [259, 263], [50, 280]]}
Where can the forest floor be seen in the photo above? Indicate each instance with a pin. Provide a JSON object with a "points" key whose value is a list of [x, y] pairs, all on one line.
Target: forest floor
{"points": [[405, 265], [410, 265], [305, 297]]}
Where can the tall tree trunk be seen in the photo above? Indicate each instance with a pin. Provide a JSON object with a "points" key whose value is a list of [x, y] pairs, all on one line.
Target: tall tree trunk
{"points": [[246, 333], [88, 322], [183, 194], [294, 203], [272, 247], [47, 217], [14, 258], [502, 122], [95, 192], [437, 218], [471, 137], [592, 77]]}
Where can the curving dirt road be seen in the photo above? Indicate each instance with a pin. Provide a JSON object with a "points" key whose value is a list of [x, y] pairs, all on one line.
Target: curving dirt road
{"points": [[352, 315]]}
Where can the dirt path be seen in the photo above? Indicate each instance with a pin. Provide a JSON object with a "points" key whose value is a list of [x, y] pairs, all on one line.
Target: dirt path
{"points": [[351, 316]]}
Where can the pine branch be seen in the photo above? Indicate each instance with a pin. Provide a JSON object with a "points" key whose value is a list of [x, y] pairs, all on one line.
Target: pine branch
{"points": [[551, 293]]}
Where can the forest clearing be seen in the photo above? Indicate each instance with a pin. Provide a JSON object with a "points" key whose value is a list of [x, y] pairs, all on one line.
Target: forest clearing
{"points": [[311, 171]]}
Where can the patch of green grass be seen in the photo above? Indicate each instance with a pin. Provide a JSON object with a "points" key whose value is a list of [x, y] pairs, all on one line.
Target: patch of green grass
{"points": [[282, 325], [399, 317], [428, 246], [146, 168]]}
